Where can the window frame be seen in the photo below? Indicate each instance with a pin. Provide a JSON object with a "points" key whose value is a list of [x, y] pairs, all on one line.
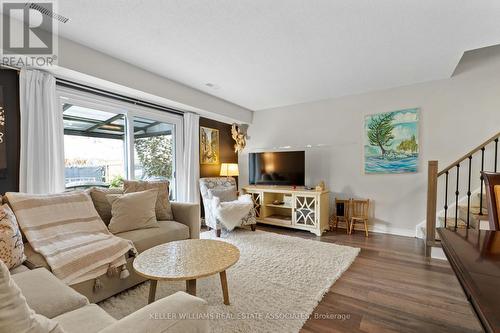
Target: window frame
{"points": [[129, 110]]}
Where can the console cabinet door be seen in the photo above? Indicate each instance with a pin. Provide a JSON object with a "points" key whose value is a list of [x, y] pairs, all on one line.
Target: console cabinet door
{"points": [[257, 198], [306, 208]]}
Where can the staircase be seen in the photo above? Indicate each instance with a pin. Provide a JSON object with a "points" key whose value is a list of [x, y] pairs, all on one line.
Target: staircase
{"points": [[476, 220], [460, 206]]}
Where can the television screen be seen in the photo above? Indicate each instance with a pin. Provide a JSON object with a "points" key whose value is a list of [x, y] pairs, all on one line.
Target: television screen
{"points": [[277, 168]]}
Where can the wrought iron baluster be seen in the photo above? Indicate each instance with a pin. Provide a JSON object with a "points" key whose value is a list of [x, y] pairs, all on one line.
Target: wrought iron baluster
{"points": [[496, 153], [468, 191], [446, 199], [456, 196], [482, 181]]}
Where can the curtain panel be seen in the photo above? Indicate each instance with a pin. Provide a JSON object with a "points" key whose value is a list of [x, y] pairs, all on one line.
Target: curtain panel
{"points": [[42, 134], [190, 174]]}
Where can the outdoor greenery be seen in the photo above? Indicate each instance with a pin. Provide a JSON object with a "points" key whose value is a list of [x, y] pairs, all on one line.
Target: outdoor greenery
{"points": [[380, 131], [409, 145], [155, 155], [117, 181]]}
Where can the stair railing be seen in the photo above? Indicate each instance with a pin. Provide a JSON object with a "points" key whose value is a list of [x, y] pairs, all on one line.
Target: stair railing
{"points": [[432, 188]]}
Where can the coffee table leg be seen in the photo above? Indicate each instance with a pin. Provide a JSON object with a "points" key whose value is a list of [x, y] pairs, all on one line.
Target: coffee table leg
{"points": [[152, 291], [223, 282], [191, 287]]}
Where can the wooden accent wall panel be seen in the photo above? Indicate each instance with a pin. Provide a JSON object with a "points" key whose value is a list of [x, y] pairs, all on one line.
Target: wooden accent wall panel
{"points": [[227, 154], [226, 142], [9, 81]]}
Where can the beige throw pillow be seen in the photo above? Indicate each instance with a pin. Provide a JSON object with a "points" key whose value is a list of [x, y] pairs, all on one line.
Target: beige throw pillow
{"points": [[163, 207], [11, 241], [133, 211], [15, 313], [101, 203]]}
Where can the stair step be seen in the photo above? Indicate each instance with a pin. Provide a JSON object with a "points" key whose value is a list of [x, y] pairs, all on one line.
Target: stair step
{"points": [[476, 200], [474, 212], [450, 223]]}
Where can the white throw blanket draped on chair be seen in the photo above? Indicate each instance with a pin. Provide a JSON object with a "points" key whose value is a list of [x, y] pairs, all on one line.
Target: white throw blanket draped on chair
{"points": [[230, 213]]}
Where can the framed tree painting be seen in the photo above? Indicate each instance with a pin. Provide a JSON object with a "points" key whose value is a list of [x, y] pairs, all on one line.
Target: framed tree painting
{"points": [[391, 142], [209, 145]]}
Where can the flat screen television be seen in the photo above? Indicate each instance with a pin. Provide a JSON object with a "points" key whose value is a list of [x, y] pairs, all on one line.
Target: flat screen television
{"points": [[277, 168]]}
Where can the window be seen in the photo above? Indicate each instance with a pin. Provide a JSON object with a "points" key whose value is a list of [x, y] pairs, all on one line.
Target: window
{"points": [[106, 141], [154, 150], [94, 147]]}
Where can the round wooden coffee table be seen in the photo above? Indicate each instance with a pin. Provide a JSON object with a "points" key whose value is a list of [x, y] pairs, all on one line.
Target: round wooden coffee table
{"points": [[187, 260]]}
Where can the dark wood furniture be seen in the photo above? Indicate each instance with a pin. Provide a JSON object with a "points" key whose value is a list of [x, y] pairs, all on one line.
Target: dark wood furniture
{"points": [[491, 180], [475, 258], [341, 214]]}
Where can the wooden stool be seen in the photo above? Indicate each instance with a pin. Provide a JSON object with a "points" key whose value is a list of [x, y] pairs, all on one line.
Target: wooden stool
{"points": [[359, 213], [341, 214]]}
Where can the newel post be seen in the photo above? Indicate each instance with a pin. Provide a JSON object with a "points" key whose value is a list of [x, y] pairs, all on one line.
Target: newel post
{"points": [[430, 230]]}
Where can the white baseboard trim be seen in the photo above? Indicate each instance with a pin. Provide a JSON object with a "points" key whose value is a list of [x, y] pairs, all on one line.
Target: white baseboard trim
{"points": [[393, 231], [438, 253], [386, 230]]}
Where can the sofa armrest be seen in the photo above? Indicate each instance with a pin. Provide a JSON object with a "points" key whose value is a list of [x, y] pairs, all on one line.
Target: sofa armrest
{"points": [[188, 214], [179, 312], [46, 294]]}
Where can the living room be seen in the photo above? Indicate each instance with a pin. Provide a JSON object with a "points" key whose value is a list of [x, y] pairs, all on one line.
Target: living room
{"points": [[284, 166]]}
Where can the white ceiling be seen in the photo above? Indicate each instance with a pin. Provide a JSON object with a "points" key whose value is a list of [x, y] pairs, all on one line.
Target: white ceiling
{"points": [[267, 53]]}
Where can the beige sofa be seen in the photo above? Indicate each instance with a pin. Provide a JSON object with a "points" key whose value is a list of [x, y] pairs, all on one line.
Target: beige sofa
{"points": [[49, 297], [186, 225]]}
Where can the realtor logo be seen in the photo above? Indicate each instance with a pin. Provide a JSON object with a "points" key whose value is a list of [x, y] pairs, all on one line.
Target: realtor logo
{"points": [[27, 28], [29, 33]]}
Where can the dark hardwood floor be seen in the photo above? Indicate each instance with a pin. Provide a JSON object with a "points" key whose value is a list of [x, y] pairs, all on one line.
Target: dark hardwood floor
{"points": [[391, 287]]}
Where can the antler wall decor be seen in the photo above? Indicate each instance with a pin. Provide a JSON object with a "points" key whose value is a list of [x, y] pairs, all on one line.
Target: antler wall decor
{"points": [[239, 134]]}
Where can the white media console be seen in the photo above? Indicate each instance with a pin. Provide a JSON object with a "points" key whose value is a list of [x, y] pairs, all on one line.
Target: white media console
{"points": [[301, 209]]}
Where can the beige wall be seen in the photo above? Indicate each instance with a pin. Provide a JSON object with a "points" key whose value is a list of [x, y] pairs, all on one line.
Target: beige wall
{"points": [[456, 115]]}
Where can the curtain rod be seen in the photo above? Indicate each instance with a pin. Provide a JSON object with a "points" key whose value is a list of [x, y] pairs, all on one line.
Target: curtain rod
{"points": [[102, 92], [10, 67]]}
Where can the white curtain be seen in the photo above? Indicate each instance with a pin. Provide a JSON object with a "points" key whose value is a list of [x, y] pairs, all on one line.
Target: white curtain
{"points": [[42, 134], [190, 174]]}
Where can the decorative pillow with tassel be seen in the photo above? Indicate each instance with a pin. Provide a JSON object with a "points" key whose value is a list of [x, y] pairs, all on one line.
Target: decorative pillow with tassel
{"points": [[11, 240]]}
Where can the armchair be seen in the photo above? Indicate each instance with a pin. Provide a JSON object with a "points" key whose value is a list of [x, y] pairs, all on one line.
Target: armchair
{"points": [[223, 186]]}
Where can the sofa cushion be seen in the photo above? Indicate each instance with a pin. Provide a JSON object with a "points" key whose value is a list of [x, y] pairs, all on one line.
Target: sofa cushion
{"points": [[11, 241], [15, 313], [147, 238], [132, 211], [88, 319], [19, 269], [46, 294], [101, 203], [163, 207], [163, 316]]}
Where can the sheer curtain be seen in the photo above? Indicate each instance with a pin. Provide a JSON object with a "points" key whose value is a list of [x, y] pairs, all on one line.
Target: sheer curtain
{"points": [[42, 134], [190, 173]]}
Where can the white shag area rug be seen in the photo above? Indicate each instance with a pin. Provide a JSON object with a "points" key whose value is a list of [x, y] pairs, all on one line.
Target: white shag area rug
{"points": [[274, 287]]}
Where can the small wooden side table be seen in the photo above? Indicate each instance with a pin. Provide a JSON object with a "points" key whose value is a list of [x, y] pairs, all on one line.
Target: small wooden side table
{"points": [[187, 260]]}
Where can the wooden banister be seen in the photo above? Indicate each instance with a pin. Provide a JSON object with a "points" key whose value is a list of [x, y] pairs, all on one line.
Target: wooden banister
{"points": [[430, 231], [466, 156]]}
